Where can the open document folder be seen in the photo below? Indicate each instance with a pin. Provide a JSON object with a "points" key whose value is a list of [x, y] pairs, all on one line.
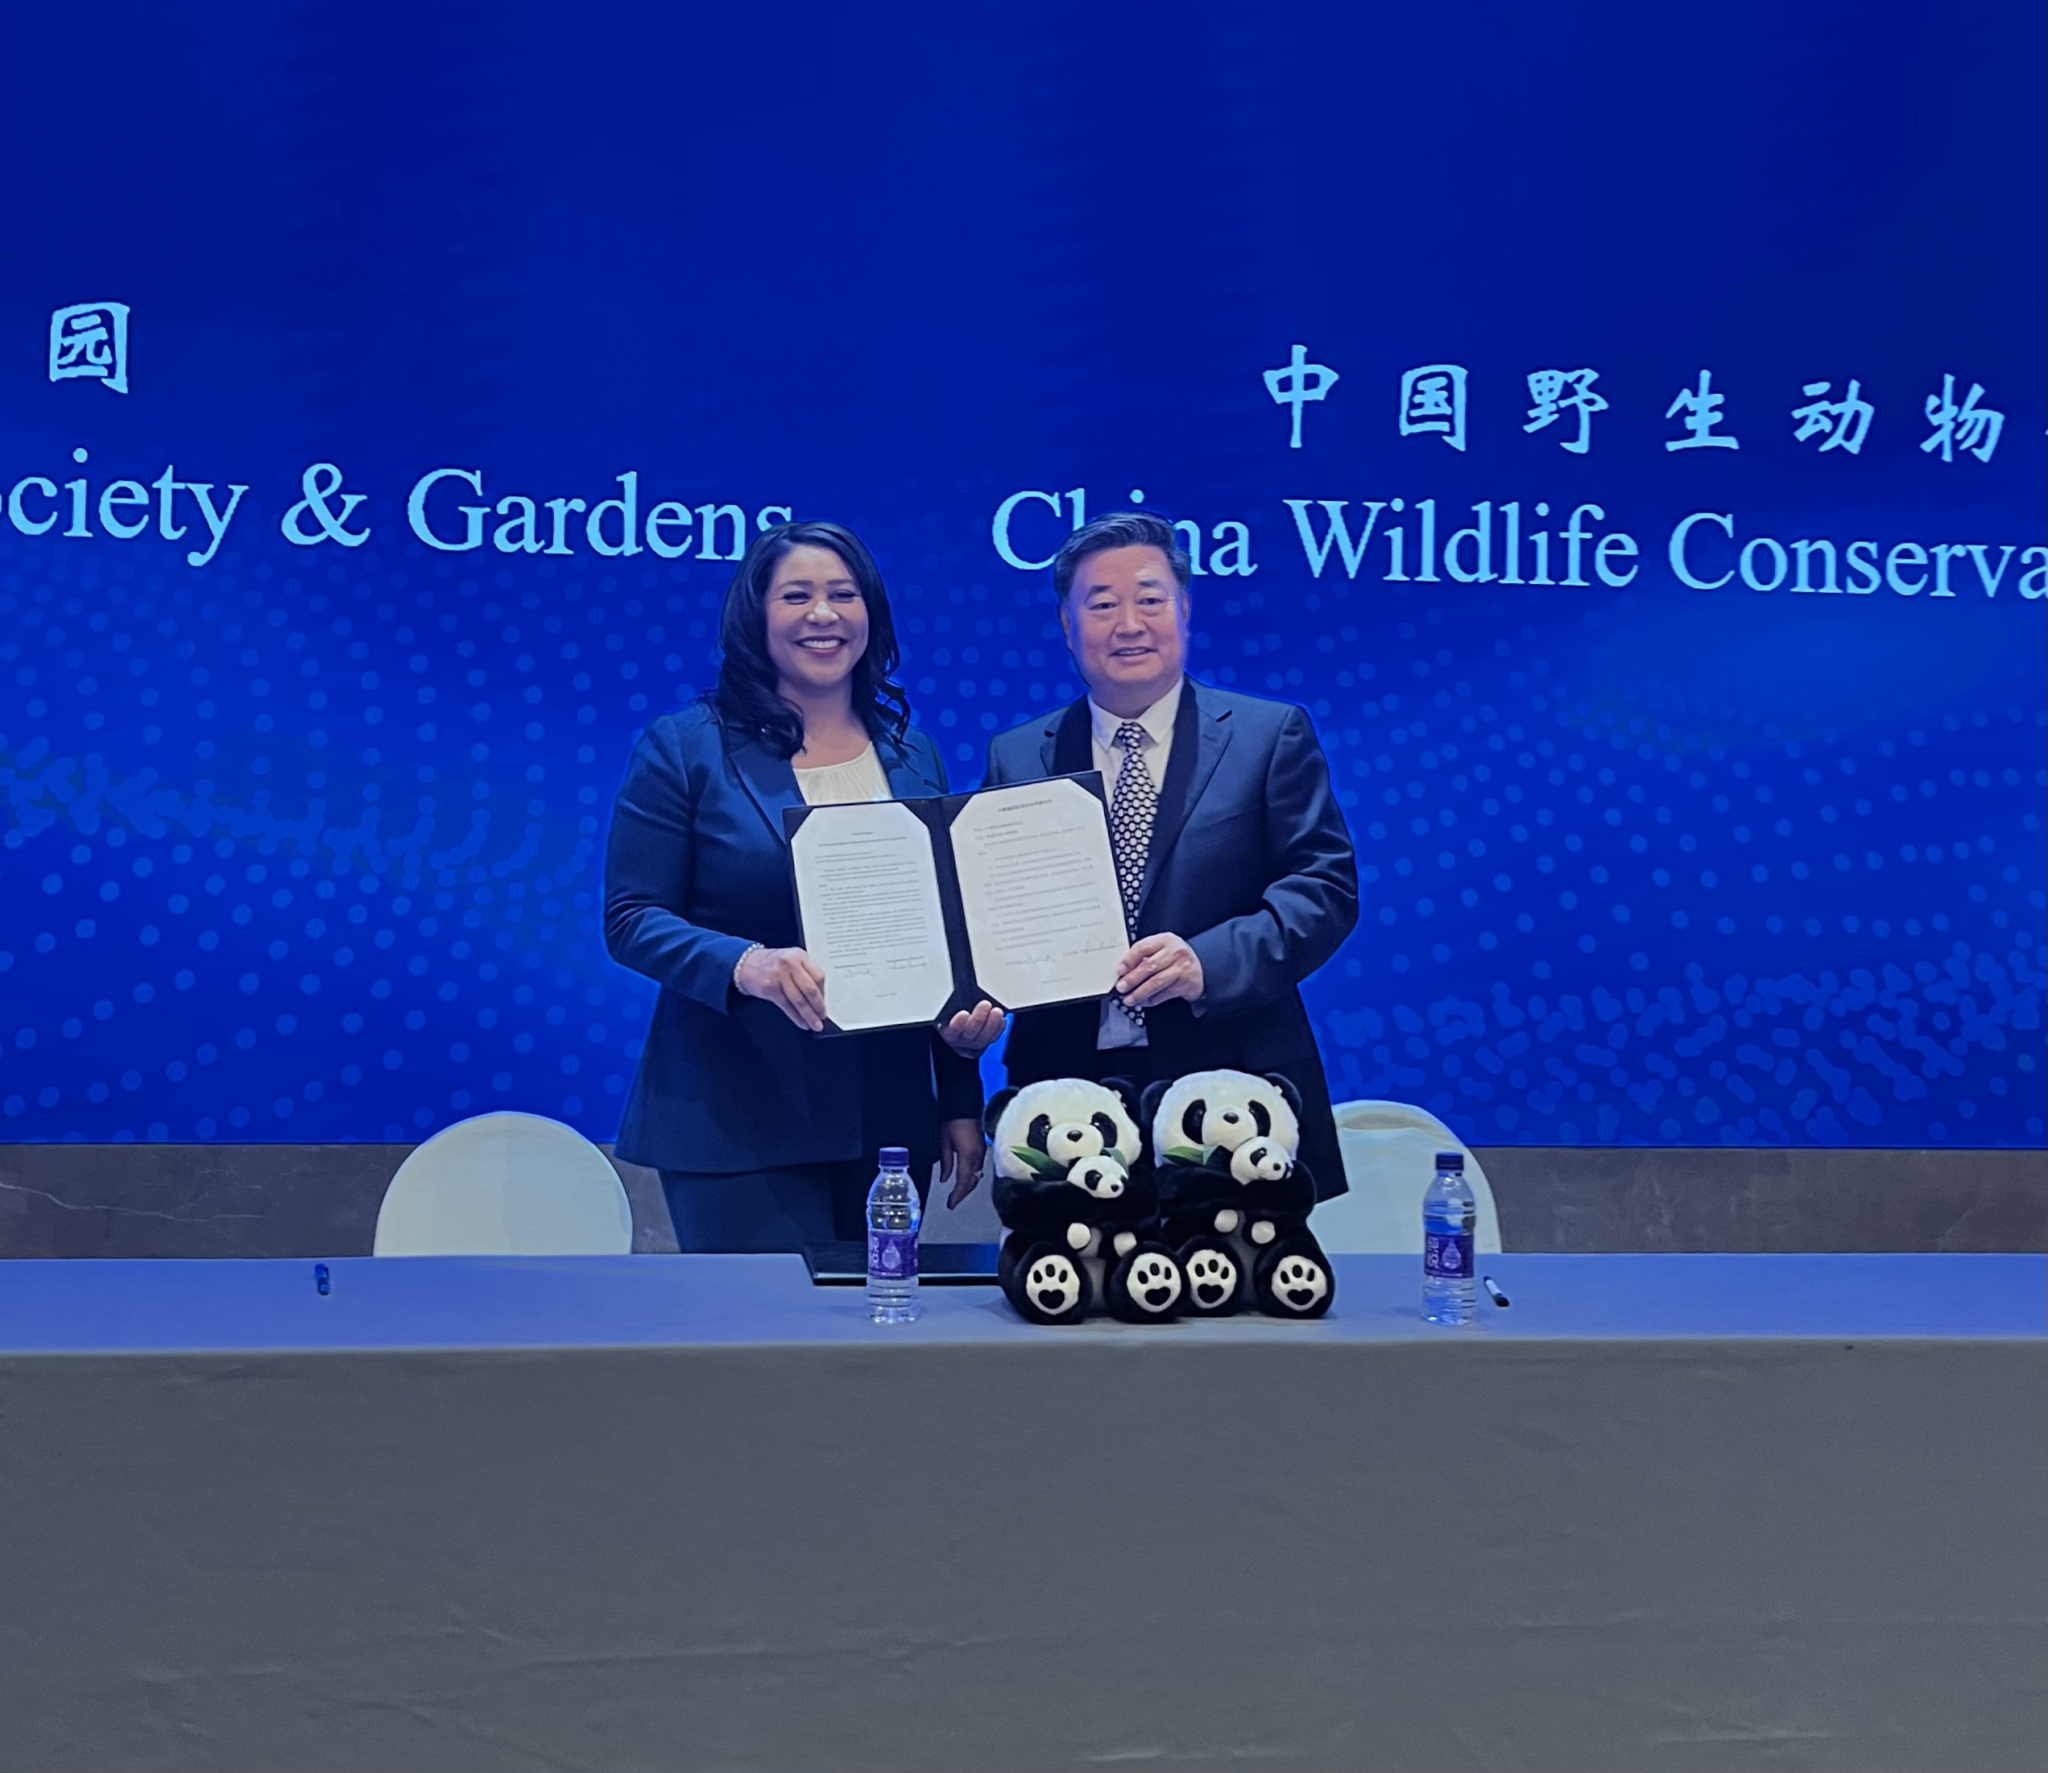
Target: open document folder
{"points": [[918, 908]]}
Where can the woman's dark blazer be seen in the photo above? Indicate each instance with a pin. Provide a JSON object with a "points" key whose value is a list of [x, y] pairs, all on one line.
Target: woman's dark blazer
{"points": [[697, 868]]}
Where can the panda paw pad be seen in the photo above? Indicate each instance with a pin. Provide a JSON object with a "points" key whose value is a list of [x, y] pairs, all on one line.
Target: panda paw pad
{"points": [[1052, 1284], [1212, 1277], [1154, 1282], [1299, 1283]]}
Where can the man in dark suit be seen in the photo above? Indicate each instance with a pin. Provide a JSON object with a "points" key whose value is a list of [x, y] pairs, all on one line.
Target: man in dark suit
{"points": [[1238, 873]]}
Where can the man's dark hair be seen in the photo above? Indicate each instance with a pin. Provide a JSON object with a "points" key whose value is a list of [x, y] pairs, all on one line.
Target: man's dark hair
{"points": [[745, 698], [1120, 529]]}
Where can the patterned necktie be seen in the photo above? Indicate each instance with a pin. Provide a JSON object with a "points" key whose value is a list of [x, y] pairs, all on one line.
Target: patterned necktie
{"points": [[1132, 809]]}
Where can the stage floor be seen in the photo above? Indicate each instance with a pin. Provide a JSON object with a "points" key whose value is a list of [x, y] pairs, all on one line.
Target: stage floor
{"points": [[1663, 1512]]}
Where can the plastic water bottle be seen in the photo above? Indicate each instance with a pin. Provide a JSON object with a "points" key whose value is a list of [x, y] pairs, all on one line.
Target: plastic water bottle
{"points": [[1449, 1213], [894, 1212]]}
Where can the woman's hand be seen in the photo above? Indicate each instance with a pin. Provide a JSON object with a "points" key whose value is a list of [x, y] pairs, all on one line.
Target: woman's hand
{"points": [[961, 1150], [789, 979], [971, 1032]]}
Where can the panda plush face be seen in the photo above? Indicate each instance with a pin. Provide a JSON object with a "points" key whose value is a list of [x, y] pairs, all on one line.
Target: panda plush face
{"points": [[1260, 1160], [1102, 1176], [1231, 1119], [1067, 1128]]}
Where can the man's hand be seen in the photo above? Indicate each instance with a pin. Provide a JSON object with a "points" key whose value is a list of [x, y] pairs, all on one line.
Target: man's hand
{"points": [[789, 979], [961, 1149], [1157, 970], [971, 1032]]}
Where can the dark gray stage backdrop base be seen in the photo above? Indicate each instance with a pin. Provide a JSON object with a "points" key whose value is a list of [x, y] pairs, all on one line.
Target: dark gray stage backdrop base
{"points": [[1748, 1555], [321, 1200]]}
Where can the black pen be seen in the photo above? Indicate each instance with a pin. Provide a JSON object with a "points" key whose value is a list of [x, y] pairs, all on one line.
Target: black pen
{"points": [[1493, 1292]]}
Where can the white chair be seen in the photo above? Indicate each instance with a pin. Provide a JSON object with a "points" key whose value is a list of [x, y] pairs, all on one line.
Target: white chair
{"points": [[1389, 1158], [505, 1185]]}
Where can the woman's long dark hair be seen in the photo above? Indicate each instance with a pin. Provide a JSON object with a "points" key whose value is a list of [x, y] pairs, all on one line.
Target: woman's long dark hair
{"points": [[745, 697]]}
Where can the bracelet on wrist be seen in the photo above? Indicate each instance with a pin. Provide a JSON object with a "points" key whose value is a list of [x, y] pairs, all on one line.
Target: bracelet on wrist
{"points": [[746, 954]]}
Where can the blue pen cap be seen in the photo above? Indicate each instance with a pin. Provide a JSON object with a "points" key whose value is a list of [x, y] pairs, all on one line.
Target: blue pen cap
{"points": [[1451, 1160], [895, 1157]]}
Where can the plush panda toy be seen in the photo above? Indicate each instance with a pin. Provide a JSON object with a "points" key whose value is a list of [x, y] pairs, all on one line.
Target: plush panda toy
{"points": [[1073, 1187], [1234, 1197]]}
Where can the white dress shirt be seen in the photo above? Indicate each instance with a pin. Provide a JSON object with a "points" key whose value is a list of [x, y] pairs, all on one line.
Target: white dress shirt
{"points": [[1116, 1029]]}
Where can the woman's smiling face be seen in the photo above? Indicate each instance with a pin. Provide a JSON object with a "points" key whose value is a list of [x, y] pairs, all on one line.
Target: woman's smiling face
{"points": [[817, 620]]}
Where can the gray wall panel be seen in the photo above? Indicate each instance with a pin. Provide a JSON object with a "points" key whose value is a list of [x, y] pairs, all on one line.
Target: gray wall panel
{"points": [[321, 1200]]}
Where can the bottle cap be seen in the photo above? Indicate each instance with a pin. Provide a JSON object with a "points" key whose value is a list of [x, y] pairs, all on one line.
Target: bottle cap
{"points": [[895, 1157], [1451, 1160]]}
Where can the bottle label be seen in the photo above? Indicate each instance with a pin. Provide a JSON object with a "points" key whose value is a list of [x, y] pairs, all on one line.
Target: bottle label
{"points": [[1447, 1255], [892, 1255]]}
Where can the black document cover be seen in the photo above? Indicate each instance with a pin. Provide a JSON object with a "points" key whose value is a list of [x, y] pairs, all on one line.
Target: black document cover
{"points": [[938, 813]]}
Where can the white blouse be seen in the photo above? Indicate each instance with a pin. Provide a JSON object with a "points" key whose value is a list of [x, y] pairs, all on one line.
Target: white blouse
{"points": [[858, 778]]}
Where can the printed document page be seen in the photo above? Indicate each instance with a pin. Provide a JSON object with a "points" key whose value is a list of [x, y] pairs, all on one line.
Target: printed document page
{"points": [[1038, 886], [869, 896]]}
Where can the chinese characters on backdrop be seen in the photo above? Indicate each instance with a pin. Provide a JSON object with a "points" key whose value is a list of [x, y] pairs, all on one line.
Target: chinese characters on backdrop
{"points": [[1432, 403]]}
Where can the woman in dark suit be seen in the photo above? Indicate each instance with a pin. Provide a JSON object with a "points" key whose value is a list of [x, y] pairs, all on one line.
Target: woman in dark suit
{"points": [[764, 1133]]}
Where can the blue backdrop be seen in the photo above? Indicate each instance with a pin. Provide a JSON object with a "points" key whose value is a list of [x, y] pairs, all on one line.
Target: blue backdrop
{"points": [[1623, 429]]}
